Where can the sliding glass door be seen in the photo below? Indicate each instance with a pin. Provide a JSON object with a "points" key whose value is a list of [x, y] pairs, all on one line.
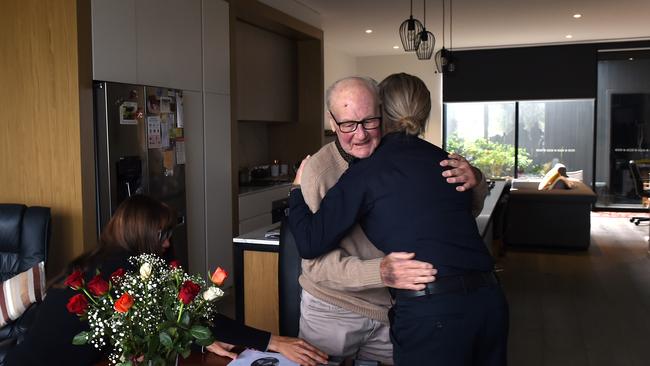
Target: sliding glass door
{"points": [[623, 128]]}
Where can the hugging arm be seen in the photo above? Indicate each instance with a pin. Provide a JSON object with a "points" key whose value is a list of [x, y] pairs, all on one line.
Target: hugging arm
{"points": [[462, 172], [322, 231]]}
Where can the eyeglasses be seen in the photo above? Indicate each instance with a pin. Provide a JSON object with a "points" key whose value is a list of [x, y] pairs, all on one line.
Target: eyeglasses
{"points": [[165, 234], [370, 123]]}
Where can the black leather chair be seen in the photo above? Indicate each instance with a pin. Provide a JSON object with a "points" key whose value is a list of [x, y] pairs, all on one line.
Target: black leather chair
{"points": [[638, 188], [289, 289], [24, 242]]}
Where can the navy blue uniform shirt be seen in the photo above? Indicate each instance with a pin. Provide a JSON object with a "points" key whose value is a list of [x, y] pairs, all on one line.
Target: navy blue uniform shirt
{"points": [[403, 203]]}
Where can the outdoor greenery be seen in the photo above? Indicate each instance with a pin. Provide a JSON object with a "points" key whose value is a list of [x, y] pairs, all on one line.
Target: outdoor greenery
{"points": [[494, 159]]}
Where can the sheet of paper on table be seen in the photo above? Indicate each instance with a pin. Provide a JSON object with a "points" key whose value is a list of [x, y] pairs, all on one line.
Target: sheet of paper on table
{"points": [[256, 358]]}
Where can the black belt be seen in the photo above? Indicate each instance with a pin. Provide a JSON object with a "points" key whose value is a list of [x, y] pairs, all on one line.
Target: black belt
{"points": [[465, 283]]}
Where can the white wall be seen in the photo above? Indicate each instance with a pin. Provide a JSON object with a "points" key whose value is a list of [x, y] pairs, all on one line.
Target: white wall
{"points": [[378, 67], [337, 65]]}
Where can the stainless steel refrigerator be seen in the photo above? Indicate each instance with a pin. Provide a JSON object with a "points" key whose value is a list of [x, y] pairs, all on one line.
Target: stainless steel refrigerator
{"points": [[140, 149]]}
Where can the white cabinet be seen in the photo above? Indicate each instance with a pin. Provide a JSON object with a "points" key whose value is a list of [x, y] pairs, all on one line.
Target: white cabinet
{"points": [[150, 42], [218, 181], [169, 43], [216, 46], [114, 41], [255, 207]]}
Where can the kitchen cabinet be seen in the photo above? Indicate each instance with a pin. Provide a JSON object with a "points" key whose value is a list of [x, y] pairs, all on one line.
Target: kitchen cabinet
{"points": [[255, 206], [216, 46], [218, 180], [176, 24], [114, 41], [256, 269], [266, 75], [152, 42]]}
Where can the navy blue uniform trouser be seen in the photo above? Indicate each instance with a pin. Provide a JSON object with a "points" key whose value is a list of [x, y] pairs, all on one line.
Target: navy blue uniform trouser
{"points": [[453, 329]]}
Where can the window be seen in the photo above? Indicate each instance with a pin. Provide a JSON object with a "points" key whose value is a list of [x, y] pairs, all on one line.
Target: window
{"points": [[484, 133], [547, 132], [558, 131]]}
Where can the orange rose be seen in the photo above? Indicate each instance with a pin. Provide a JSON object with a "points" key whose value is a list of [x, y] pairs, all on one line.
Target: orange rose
{"points": [[219, 276], [124, 303]]}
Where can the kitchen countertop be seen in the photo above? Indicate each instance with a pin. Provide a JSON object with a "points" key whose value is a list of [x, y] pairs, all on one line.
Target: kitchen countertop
{"points": [[258, 236], [245, 190]]}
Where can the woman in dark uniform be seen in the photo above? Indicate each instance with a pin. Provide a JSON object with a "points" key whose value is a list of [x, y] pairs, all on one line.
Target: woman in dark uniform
{"points": [[404, 205], [140, 225]]}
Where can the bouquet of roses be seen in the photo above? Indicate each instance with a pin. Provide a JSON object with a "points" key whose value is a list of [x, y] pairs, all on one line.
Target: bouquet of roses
{"points": [[147, 317]]}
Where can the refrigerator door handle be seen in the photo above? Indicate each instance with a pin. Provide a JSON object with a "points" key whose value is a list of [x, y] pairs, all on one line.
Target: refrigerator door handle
{"points": [[128, 189]]}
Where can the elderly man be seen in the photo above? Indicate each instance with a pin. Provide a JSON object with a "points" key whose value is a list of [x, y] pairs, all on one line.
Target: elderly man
{"points": [[345, 301]]}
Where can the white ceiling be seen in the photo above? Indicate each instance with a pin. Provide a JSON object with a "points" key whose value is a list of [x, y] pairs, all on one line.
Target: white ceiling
{"points": [[481, 23]]}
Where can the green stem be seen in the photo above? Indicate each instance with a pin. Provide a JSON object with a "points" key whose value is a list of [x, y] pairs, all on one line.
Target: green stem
{"points": [[89, 296], [180, 312]]}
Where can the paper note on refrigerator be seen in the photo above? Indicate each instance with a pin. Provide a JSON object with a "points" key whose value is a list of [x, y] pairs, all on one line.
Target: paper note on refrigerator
{"points": [[164, 132], [180, 151], [179, 110], [153, 132]]}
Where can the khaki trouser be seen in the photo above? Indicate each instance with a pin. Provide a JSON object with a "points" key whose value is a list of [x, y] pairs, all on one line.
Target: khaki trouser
{"points": [[339, 332]]}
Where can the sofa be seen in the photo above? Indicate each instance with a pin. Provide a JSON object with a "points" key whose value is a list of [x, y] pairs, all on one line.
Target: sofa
{"points": [[556, 218], [24, 242]]}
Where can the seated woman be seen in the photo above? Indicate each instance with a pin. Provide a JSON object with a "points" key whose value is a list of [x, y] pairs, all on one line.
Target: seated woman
{"points": [[404, 204], [140, 225]]}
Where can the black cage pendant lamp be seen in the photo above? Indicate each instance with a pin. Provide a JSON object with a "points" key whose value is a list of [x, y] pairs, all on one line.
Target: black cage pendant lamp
{"points": [[445, 61], [409, 32], [427, 40]]}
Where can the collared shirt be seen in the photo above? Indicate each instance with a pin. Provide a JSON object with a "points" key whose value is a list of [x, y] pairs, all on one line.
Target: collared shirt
{"points": [[403, 204]]}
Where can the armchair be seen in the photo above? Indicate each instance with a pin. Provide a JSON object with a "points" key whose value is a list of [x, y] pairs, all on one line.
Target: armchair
{"points": [[638, 188], [24, 242]]}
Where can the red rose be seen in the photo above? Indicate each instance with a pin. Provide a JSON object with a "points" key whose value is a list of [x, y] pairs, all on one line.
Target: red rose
{"points": [[188, 291], [219, 276], [124, 303], [174, 264], [97, 286], [118, 273], [75, 280], [77, 304]]}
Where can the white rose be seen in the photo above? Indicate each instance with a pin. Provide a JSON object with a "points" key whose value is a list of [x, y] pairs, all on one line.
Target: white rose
{"points": [[145, 270], [212, 293]]}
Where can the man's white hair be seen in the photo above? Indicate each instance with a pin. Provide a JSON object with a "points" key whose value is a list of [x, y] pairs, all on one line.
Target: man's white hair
{"points": [[370, 83]]}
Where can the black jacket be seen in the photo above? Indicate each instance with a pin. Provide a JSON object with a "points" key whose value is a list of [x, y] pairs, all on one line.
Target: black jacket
{"points": [[49, 339], [402, 202]]}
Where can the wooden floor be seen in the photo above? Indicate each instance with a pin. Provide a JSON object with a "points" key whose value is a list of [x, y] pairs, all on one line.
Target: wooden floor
{"points": [[582, 308]]}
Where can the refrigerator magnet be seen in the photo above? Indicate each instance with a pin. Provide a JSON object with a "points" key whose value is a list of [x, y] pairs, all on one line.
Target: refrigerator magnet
{"points": [[153, 132], [129, 113]]}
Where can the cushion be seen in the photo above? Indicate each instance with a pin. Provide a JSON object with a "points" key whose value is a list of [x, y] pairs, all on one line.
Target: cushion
{"points": [[563, 183], [577, 175], [20, 291], [551, 176]]}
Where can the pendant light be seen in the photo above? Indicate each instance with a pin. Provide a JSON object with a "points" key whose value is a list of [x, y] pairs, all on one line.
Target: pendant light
{"points": [[445, 62], [427, 40], [409, 32]]}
